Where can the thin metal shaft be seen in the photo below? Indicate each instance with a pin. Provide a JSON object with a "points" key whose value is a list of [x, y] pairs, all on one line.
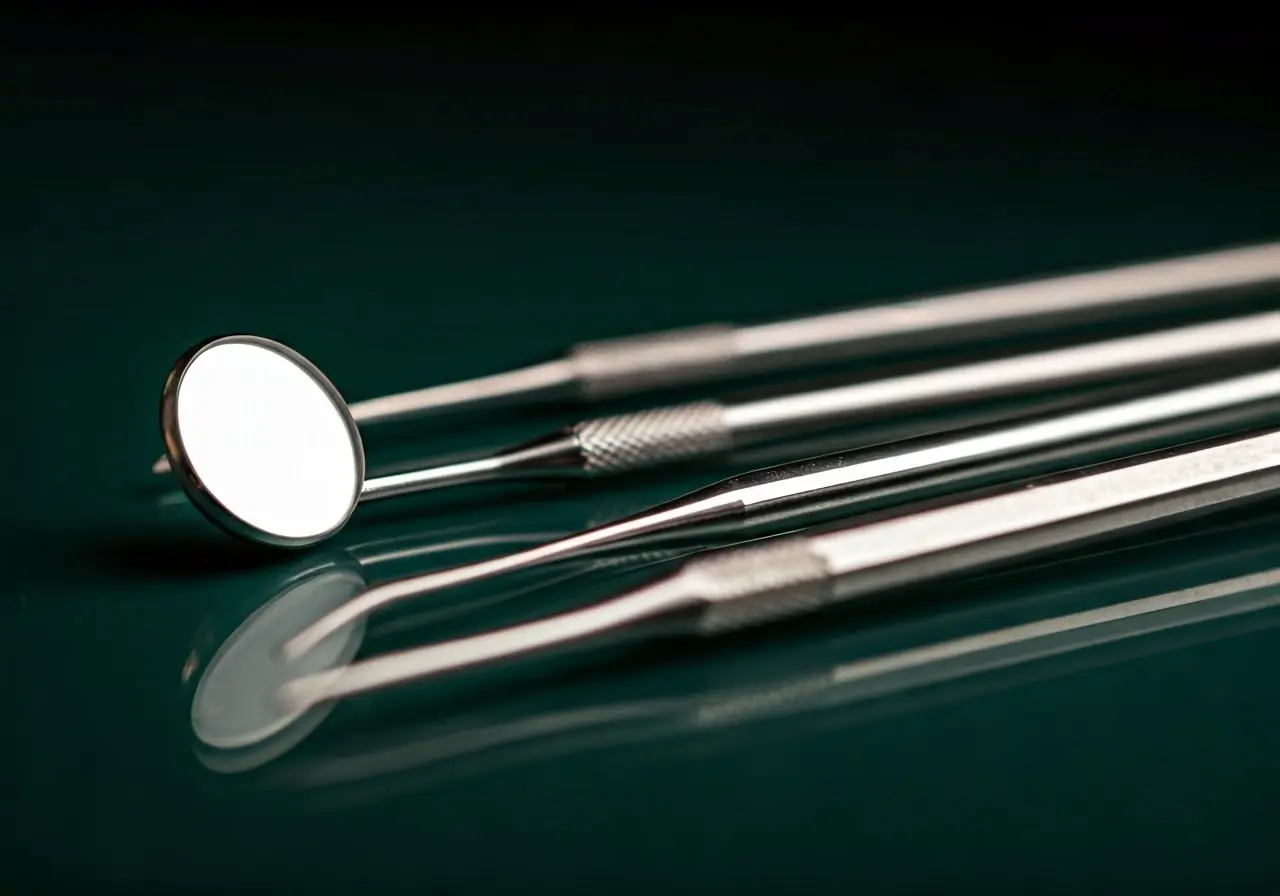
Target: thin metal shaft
{"points": [[1004, 376], [664, 518], [636, 364], [552, 379], [646, 439], [633, 365], [797, 574], [837, 480]]}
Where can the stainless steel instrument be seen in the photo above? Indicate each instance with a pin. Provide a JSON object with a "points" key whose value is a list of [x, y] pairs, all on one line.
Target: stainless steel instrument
{"points": [[797, 574]]}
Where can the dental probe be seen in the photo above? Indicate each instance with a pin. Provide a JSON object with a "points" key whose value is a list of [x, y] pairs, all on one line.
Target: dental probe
{"points": [[265, 447], [612, 368], [836, 483], [745, 586]]}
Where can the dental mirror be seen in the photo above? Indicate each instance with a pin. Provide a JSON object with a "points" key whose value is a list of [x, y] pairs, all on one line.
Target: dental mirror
{"points": [[261, 441]]}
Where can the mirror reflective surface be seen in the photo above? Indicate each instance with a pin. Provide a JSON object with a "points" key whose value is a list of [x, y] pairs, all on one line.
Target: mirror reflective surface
{"points": [[234, 703], [262, 441]]}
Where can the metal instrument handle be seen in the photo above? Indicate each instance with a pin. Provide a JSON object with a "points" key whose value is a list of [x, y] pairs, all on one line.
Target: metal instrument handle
{"points": [[647, 438], [760, 583], [612, 367], [628, 365], [1005, 376], [1013, 307], [747, 586]]}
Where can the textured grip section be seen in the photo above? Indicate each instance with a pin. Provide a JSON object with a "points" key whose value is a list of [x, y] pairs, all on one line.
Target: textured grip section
{"points": [[746, 586], [623, 366], [648, 438]]}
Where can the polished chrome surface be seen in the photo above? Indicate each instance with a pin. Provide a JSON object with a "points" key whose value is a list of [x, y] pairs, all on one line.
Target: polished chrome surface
{"points": [[1061, 367], [261, 441], [1017, 307], [931, 544], [1030, 518], [791, 488], [631, 364], [835, 472], [547, 456], [702, 595], [636, 364]]}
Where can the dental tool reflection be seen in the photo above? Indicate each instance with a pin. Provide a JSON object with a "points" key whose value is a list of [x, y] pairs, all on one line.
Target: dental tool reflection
{"points": [[266, 448], [637, 364], [733, 589], [757, 499], [1060, 643], [236, 653]]}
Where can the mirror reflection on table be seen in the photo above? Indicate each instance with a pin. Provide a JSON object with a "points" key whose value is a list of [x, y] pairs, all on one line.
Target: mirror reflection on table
{"points": [[1089, 613], [1084, 610]]}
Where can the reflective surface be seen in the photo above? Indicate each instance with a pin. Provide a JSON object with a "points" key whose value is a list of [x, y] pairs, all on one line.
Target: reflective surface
{"points": [[1063, 630], [309, 189], [235, 703], [261, 441]]}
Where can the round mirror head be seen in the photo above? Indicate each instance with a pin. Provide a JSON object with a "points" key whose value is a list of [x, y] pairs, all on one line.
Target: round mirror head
{"points": [[261, 441]]}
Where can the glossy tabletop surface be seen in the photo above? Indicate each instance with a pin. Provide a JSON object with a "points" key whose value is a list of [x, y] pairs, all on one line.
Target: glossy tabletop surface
{"points": [[409, 211]]}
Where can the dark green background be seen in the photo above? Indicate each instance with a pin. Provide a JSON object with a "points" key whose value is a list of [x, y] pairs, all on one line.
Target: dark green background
{"points": [[408, 202]]}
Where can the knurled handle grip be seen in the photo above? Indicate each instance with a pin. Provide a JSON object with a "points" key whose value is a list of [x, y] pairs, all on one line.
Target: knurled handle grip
{"points": [[759, 583], [648, 438], [613, 367]]}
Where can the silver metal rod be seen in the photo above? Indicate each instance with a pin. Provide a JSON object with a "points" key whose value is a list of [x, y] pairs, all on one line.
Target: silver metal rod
{"points": [[646, 439], [636, 364], [1058, 368], [835, 482], [1037, 304], [797, 574], [599, 370]]}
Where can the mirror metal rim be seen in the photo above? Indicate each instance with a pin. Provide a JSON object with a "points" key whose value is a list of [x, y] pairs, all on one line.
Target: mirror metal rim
{"points": [[205, 500]]}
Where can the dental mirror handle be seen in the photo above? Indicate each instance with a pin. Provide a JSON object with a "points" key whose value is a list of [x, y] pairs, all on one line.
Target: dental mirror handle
{"points": [[796, 574], [634, 441]]}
